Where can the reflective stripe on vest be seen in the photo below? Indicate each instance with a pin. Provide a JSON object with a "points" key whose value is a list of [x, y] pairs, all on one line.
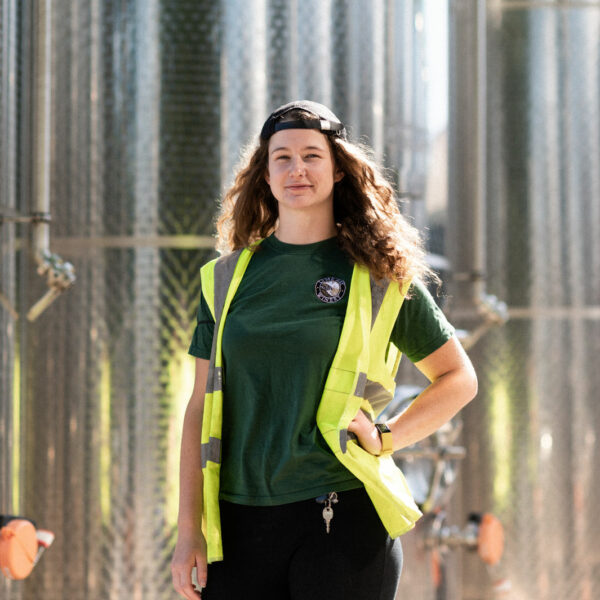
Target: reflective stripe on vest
{"points": [[361, 376]]}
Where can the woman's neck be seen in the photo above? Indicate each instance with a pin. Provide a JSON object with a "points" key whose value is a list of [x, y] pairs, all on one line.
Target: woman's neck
{"points": [[305, 229]]}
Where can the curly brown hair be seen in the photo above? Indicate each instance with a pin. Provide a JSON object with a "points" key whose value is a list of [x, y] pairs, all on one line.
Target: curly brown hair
{"points": [[370, 228]]}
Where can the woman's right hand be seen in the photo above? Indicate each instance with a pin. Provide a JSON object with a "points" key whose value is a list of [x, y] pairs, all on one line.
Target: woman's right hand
{"points": [[190, 551]]}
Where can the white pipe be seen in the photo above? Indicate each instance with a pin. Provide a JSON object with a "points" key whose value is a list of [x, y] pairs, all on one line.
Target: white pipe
{"points": [[42, 106]]}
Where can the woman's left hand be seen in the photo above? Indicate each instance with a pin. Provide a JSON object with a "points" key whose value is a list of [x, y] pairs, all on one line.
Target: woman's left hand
{"points": [[366, 432]]}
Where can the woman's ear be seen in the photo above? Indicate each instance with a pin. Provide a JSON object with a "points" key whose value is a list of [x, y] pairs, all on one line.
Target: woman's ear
{"points": [[338, 175], [267, 179]]}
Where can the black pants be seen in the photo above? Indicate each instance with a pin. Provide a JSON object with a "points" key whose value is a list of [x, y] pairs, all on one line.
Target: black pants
{"points": [[284, 553]]}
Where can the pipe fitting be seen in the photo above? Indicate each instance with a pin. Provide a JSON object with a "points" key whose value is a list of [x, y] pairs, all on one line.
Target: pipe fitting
{"points": [[60, 276], [483, 533]]}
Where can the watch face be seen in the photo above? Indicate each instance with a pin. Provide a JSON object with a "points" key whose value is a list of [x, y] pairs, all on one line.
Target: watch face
{"points": [[383, 428]]}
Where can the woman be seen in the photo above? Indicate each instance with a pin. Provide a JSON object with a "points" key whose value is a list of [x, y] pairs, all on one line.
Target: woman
{"points": [[280, 450]]}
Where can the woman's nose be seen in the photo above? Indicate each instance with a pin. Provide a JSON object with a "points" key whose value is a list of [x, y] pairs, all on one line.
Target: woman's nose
{"points": [[298, 167]]}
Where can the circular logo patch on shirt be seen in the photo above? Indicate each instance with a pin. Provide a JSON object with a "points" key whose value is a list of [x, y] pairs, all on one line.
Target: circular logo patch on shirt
{"points": [[330, 289]]}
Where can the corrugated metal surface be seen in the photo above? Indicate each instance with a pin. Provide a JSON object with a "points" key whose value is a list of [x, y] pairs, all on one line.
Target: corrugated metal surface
{"points": [[151, 102], [9, 366], [532, 436], [135, 159]]}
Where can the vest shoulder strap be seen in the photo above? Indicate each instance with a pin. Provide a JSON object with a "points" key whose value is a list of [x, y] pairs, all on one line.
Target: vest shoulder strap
{"points": [[216, 276], [207, 280]]}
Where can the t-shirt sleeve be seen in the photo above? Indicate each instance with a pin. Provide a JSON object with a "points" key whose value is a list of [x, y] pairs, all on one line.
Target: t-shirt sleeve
{"points": [[203, 334], [421, 327]]}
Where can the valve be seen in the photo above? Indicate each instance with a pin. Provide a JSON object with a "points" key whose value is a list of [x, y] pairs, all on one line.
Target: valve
{"points": [[60, 276], [483, 533], [21, 546], [492, 312]]}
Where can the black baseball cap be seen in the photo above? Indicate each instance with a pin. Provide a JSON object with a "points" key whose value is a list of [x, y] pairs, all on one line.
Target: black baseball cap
{"points": [[324, 120]]}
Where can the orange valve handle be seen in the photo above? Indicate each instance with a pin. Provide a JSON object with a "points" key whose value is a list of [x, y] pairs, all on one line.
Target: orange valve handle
{"points": [[490, 540], [18, 548]]}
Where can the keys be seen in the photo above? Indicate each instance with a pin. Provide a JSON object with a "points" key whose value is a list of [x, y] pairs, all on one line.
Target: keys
{"points": [[328, 500], [327, 516]]}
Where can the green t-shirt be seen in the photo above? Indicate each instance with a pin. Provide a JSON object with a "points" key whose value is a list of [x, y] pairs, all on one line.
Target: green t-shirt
{"points": [[279, 340]]}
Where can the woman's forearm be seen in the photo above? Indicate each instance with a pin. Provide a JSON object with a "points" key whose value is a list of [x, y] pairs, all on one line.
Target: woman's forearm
{"points": [[190, 549], [453, 384], [190, 471], [190, 465], [436, 405]]}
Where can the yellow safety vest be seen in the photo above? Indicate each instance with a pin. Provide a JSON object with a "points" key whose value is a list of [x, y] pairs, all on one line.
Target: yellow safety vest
{"points": [[361, 376]]}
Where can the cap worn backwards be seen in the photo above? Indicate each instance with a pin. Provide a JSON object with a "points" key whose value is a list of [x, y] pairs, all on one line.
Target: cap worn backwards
{"points": [[324, 120]]}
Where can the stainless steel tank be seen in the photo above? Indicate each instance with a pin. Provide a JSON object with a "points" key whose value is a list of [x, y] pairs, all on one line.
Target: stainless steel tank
{"points": [[531, 195], [149, 104]]}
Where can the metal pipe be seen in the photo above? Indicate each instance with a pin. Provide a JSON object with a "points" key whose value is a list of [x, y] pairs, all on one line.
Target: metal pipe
{"points": [[60, 274], [440, 453], [8, 215], [468, 174], [468, 158], [42, 99], [479, 204]]}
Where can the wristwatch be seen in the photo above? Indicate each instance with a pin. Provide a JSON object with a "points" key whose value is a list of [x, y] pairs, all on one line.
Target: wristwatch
{"points": [[385, 435]]}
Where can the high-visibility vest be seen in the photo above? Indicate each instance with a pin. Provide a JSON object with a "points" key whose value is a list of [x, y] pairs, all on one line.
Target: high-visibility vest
{"points": [[361, 376]]}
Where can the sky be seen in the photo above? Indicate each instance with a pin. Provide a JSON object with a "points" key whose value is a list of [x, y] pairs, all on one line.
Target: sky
{"points": [[435, 22]]}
